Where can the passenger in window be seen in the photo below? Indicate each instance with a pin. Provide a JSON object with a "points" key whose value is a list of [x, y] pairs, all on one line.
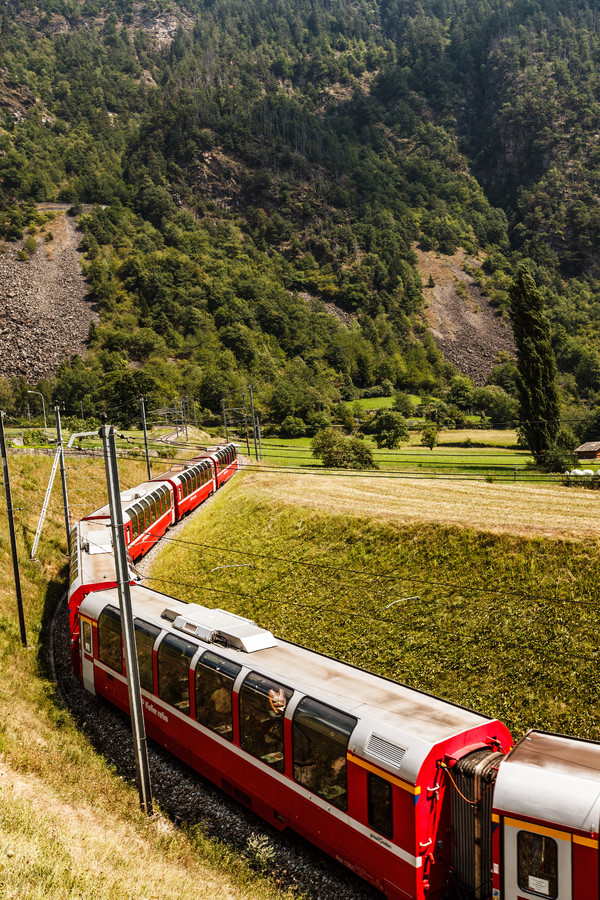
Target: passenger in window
{"points": [[221, 701], [277, 702]]}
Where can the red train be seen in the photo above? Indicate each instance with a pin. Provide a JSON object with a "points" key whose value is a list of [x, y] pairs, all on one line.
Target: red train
{"points": [[422, 798]]}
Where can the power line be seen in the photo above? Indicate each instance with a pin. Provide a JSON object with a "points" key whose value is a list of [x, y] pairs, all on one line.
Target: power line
{"points": [[366, 573]]}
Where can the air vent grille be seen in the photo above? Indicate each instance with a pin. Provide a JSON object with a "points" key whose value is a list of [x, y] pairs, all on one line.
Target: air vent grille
{"points": [[384, 750]]}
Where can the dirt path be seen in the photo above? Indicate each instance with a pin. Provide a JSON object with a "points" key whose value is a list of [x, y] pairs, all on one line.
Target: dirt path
{"points": [[44, 316]]}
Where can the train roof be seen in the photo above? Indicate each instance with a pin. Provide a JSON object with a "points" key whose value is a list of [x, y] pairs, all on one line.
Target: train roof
{"points": [[552, 778], [398, 725], [96, 558], [128, 498]]}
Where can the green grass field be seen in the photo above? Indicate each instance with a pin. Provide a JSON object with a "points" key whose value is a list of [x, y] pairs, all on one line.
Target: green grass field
{"points": [[499, 623], [491, 461]]}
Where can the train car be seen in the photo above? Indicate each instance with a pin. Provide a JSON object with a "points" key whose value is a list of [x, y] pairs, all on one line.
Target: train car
{"points": [[355, 763], [225, 461], [546, 820], [92, 568], [192, 482], [147, 510]]}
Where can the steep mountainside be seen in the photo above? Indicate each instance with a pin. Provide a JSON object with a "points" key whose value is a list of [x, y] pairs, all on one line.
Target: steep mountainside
{"points": [[313, 145]]}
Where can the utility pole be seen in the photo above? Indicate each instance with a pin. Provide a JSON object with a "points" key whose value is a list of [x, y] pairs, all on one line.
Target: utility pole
{"points": [[39, 393], [143, 408], [259, 440], [194, 411], [184, 420], [63, 475], [246, 427], [225, 421], [253, 422], [107, 433], [11, 528]]}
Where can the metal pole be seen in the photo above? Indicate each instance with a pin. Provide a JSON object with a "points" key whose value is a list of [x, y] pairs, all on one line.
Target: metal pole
{"points": [[194, 411], [11, 528], [29, 412], [43, 407], [63, 476], [184, 420], [38, 533], [253, 422], [246, 427], [165, 411], [107, 433], [225, 421], [145, 437], [259, 441]]}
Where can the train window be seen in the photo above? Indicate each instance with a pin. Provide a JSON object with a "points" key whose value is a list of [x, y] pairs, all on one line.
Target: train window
{"points": [[144, 516], [87, 636], [74, 562], [109, 638], [137, 519], [262, 707], [174, 657], [379, 804], [214, 683], [320, 738], [537, 864], [145, 636]]}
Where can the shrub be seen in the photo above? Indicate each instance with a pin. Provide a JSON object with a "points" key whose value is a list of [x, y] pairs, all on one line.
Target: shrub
{"points": [[292, 427], [337, 451]]}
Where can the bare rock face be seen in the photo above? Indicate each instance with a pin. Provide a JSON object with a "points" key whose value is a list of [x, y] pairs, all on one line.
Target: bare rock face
{"points": [[465, 327], [44, 314]]}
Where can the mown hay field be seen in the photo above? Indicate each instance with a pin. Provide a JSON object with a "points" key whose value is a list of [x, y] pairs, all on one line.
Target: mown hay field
{"points": [[484, 594]]}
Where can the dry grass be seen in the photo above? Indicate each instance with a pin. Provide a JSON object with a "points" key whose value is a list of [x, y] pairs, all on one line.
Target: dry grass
{"points": [[540, 510]]}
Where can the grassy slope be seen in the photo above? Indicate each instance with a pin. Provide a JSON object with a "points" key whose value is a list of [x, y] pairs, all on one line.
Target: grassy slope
{"points": [[68, 824], [502, 623]]}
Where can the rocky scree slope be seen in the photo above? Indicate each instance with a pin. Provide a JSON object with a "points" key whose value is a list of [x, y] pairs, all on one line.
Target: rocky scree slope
{"points": [[44, 314]]}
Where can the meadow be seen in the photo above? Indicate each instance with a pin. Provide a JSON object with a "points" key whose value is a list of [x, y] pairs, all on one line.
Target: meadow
{"points": [[498, 617]]}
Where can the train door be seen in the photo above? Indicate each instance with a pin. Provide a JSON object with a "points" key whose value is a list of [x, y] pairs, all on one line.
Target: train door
{"points": [[537, 862], [87, 656]]}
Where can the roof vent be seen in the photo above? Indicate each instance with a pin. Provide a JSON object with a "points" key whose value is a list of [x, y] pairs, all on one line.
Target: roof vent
{"points": [[215, 626], [382, 749], [134, 494]]}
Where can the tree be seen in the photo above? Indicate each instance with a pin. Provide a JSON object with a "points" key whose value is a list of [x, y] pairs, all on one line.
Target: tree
{"points": [[429, 436], [537, 384], [389, 428], [337, 451]]}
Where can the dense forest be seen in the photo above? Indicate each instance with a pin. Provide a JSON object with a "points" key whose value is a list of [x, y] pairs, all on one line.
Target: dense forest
{"points": [[250, 161]]}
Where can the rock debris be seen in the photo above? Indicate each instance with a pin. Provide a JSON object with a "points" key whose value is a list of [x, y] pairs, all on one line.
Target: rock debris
{"points": [[44, 314]]}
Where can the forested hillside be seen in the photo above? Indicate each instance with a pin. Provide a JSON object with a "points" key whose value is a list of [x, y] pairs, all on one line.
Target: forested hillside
{"points": [[254, 160]]}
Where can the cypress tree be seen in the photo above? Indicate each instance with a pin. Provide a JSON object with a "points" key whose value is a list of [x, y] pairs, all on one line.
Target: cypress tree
{"points": [[538, 389]]}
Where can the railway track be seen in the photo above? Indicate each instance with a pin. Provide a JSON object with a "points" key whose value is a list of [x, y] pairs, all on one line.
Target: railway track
{"points": [[185, 797]]}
